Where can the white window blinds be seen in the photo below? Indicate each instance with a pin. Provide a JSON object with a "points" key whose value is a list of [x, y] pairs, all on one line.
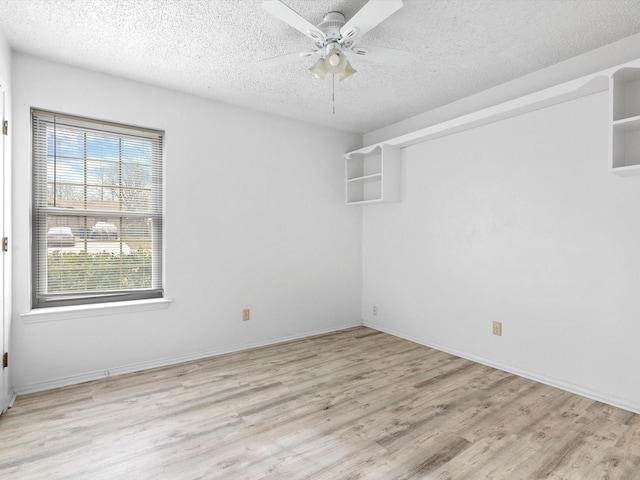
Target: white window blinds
{"points": [[97, 211]]}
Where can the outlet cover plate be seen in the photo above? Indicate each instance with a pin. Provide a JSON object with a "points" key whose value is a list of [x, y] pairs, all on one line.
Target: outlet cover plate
{"points": [[497, 328]]}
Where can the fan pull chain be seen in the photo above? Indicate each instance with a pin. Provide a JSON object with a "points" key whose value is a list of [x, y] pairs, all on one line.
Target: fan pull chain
{"points": [[333, 93]]}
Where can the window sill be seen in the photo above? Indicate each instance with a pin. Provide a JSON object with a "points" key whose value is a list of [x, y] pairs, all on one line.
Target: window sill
{"points": [[81, 311]]}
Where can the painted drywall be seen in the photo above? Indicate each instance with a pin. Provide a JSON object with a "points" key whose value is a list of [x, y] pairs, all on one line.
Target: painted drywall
{"points": [[5, 221], [616, 53], [518, 221], [255, 218]]}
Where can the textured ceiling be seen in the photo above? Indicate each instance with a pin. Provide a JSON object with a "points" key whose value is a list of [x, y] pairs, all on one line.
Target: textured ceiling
{"points": [[210, 48]]}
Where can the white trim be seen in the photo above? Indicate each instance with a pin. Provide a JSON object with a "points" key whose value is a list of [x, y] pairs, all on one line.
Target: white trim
{"points": [[624, 403], [163, 362], [11, 398], [92, 310]]}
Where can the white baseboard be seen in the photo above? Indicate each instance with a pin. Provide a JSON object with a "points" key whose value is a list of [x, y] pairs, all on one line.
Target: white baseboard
{"points": [[11, 398], [163, 362], [623, 403], [95, 375]]}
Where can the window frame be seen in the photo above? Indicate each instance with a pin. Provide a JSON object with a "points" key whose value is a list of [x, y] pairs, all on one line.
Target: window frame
{"points": [[39, 119]]}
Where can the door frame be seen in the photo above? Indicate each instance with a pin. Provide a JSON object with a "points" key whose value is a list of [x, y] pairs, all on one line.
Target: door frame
{"points": [[4, 315]]}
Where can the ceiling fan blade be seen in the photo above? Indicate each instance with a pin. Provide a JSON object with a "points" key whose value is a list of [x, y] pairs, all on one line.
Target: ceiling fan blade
{"points": [[373, 13], [287, 15], [289, 57], [382, 54]]}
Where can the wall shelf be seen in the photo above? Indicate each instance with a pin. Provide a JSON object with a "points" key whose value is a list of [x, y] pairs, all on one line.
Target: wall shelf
{"points": [[373, 176], [627, 124], [624, 97], [545, 98], [373, 172], [622, 81], [367, 178]]}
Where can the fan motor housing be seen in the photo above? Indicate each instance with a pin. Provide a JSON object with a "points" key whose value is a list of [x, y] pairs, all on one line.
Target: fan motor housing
{"points": [[331, 24]]}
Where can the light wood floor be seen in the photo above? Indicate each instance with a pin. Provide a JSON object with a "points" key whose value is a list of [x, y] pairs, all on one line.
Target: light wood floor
{"points": [[353, 404]]}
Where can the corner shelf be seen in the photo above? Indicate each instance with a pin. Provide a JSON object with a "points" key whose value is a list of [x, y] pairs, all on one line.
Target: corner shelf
{"points": [[373, 176], [625, 121]]}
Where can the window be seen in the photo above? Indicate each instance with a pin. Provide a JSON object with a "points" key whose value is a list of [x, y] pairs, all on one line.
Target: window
{"points": [[97, 211]]}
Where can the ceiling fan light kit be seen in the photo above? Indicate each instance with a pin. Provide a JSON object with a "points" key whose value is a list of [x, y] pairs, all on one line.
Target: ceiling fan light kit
{"points": [[334, 37], [319, 70], [334, 59], [336, 63], [346, 73]]}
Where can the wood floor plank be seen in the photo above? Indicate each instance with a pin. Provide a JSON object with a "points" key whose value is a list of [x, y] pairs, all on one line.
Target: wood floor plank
{"points": [[354, 404]]}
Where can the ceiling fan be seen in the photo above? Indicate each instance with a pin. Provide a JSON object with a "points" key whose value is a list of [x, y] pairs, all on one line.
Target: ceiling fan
{"points": [[335, 37]]}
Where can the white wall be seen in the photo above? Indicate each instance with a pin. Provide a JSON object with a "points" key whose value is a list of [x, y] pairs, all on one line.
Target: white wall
{"points": [[518, 221], [255, 219], [5, 217]]}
